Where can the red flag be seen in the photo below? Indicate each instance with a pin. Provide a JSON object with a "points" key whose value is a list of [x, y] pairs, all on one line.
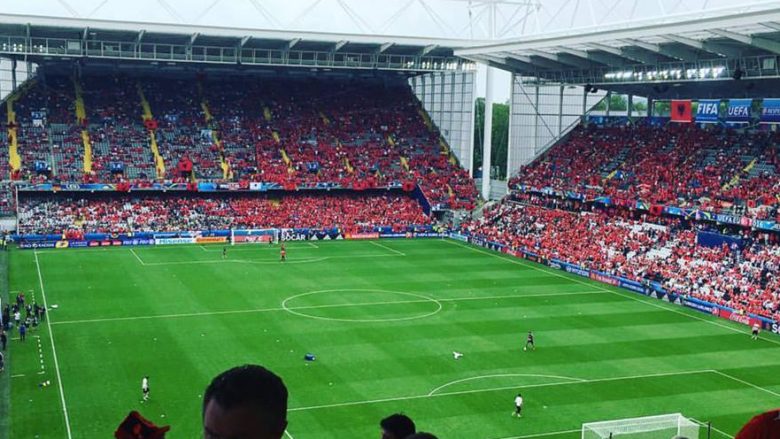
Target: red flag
{"points": [[681, 111]]}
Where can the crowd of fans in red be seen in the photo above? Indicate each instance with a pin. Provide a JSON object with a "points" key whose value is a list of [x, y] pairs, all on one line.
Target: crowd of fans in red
{"points": [[140, 213], [613, 242], [293, 132], [681, 165]]}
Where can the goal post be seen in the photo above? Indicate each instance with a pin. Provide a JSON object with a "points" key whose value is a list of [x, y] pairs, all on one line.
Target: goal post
{"points": [[670, 426]]}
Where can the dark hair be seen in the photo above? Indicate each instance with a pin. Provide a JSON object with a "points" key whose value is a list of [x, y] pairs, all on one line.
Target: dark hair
{"points": [[250, 385], [422, 435], [398, 425]]}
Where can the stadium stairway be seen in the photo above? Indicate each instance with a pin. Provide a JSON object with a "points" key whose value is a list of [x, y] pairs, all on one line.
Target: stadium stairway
{"points": [[81, 117], [213, 125], [147, 115], [14, 159]]}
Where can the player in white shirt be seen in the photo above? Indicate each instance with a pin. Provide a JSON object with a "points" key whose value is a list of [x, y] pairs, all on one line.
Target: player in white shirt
{"points": [[756, 328], [145, 387], [518, 405], [456, 355]]}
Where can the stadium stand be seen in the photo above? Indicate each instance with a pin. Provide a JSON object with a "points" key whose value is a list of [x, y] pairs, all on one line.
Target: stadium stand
{"points": [[140, 213], [684, 165], [284, 131], [615, 243]]}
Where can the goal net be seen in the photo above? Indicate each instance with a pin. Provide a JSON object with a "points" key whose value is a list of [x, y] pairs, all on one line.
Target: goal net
{"points": [[671, 426]]}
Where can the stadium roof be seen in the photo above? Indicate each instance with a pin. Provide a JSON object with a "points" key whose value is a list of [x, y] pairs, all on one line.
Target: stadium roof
{"points": [[41, 39], [692, 47]]}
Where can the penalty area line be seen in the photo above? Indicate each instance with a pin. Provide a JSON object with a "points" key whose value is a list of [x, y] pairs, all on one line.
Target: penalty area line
{"points": [[387, 248]]}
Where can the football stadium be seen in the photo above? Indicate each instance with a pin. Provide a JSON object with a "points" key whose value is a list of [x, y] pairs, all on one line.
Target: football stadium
{"points": [[487, 219]]}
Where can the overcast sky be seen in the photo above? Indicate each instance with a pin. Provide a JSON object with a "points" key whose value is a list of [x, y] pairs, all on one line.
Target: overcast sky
{"points": [[461, 19]]}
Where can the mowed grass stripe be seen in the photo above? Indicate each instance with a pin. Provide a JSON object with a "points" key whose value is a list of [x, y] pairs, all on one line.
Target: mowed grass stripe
{"points": [[584, 336]]}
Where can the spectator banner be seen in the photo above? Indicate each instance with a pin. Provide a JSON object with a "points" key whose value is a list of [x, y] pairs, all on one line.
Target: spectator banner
{"points": [[739, 110], [681, 111], [770, 111], [707, 112]]}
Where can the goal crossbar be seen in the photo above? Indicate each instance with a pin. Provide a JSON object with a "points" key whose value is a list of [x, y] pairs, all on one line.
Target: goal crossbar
{"points": [[675, 423]]}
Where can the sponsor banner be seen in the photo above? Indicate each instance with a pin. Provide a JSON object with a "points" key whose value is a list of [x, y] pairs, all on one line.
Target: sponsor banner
{"points": [[207, 187], [136, 241], [604, 278], [576, 270], [739, 110], [211, 240], [78, 244], [767, 225], [392, 235], [294, 235], [424, 235], [698, 305], [770, 111], [37, 244], [728, 219], [255, 186], [171, 241], [229, 186], [729, 314], [372, 235], [556, 264], [459, 237], [61, 244], [94, 243], [631, 285], [252, 238], [707, 112]]}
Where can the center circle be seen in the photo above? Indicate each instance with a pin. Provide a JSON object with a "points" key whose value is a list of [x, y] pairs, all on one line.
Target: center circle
{"points": [[384, 302]]}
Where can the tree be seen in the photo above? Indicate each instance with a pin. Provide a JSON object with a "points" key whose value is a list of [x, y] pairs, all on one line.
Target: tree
{"points": [[499, 137]]}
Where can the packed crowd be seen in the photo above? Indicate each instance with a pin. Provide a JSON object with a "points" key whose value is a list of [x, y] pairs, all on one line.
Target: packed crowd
{"points": [[286, 131], [349, 213], [746, 279], [682, 165]]}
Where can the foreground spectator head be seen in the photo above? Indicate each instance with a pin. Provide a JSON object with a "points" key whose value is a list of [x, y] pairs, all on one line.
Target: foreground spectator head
{"points": [[397, 426], [246, 402], [422, 435]]}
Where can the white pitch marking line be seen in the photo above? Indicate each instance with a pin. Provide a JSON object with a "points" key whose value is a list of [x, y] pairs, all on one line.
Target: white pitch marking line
{"points": [[311, 244], [287, 433], [53, 350], [595, 285], [336, 305], [465, 392], [747, 383], [387, 248], [704, 424], [550, 433], [132, 250], [501, 375], [18, 375]]}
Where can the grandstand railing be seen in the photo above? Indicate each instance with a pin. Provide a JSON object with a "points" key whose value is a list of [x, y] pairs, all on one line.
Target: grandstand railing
{"points": [[23, 45]]}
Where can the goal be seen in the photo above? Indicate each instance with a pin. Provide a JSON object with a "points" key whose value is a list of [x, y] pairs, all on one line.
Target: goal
{"points": [[671, 426]]}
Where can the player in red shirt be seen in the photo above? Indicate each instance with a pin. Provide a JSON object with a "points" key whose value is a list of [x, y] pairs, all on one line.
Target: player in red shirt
{"points": [[763, 426]]}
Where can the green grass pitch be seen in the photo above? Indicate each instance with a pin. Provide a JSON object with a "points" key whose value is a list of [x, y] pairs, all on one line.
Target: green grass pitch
{"points": [[383, 318]]}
